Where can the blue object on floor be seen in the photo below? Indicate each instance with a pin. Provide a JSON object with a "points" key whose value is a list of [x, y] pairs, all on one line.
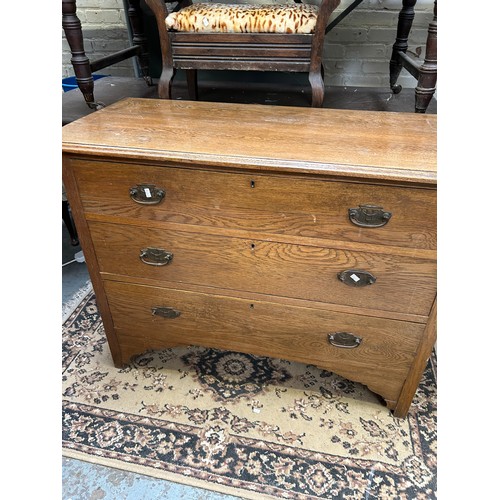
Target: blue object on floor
{"points": [[69, 83], [84, 481]]}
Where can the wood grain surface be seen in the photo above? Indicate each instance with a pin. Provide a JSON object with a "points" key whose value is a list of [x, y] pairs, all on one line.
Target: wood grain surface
{"points": [[360, 144], [282, 204], [403, 284], [381, 361]]}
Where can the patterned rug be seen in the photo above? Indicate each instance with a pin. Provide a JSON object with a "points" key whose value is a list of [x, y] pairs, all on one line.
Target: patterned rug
{"points": [[245, 425]]}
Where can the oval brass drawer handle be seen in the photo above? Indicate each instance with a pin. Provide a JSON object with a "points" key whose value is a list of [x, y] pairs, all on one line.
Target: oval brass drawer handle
{"points": [[156, 256], [357, 278], [344, 339], [147, 194], [369, 216], [165, 312]]}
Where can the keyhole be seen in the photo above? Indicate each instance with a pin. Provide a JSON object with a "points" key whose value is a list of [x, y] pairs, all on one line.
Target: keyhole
{"points": [[252, 184], [251, 306], [252, 246]]}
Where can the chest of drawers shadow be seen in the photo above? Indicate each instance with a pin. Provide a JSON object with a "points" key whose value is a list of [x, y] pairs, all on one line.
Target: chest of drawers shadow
{"points": [[296, 233]]}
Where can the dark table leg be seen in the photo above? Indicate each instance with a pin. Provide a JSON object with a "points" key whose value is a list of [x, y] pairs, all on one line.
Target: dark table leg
{"points": [[405, 20], [135, 17], [426, 85], [81, 63]]}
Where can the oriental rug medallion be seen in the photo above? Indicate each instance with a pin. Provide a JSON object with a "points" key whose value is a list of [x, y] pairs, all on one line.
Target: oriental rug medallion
{"points": [[245, 425]]}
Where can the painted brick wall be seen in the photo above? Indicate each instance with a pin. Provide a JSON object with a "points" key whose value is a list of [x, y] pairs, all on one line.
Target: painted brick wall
{"points": [[105, 31], [358, 50], [356, 53]]}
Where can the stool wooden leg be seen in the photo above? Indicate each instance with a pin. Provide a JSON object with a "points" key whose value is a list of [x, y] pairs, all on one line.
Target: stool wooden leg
{"points": [[316, 80], [405, 20], [426, 85], [165, 83], [160, 11], [192, 83], [318, 89]]}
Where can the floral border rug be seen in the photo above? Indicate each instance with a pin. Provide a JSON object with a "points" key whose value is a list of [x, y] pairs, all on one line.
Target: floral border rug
{"points": [[245, 425]]}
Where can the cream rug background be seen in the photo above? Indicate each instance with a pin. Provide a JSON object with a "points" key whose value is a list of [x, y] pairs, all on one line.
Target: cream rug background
{"points": [[246, 425]]}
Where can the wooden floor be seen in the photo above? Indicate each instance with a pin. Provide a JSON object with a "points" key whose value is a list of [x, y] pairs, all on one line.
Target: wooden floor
{"points": [[276, 93]]}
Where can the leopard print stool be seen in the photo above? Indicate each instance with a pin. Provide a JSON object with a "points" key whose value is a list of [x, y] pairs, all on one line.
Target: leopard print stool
{"points": [[242, 18], [215, 36]]}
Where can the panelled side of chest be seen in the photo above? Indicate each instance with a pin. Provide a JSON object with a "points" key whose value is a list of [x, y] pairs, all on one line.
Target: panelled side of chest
{"points": [[251, 251], [79, 215]]}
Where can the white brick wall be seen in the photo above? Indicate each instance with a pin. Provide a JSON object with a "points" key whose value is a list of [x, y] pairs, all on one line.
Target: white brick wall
{"points": [[358, 50], [356, 53]]}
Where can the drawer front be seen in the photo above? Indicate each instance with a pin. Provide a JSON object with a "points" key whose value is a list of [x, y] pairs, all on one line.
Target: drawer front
{"points": [[279, 204], [402, 284], [381, 360]]}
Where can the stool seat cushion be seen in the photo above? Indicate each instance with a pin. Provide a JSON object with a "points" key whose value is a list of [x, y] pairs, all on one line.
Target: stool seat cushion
{"points": [[244, 18]]}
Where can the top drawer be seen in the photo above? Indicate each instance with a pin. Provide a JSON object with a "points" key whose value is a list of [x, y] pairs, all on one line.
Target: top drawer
{"points": [[279, 204]]}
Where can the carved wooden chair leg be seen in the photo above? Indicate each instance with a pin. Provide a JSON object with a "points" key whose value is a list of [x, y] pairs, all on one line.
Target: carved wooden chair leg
{"points": [[426, 85], [405, 21], [192, 83], [81, 63]]}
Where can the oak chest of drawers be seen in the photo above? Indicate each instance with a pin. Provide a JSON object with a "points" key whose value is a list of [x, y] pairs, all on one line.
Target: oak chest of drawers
{"points": [[296, 233]]}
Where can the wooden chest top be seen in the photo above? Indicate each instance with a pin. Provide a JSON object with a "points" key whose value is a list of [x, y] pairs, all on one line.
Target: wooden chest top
{"points": [[342, 143]]}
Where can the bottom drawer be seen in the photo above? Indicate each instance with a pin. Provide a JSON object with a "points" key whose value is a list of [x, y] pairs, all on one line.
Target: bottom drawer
{"points": [[381, 360]]}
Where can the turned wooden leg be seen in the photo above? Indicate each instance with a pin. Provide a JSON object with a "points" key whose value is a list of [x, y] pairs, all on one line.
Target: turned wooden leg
{"points": [[426, 85], [192, 83], [81, 63], [139, 38], [405, 21]]}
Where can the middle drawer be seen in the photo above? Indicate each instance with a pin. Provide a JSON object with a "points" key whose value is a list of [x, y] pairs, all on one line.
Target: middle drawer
{"points": [[393, 283]]}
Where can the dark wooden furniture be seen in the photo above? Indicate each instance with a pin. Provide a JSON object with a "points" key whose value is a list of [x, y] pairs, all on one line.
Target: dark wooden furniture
{"points": [[262, 231], [426, 73], [69, 223], [82, 65], [241, 51]]}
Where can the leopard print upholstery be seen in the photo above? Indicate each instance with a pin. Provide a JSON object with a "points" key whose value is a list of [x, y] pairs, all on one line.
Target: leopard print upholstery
{"points": [[238, 18]]}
